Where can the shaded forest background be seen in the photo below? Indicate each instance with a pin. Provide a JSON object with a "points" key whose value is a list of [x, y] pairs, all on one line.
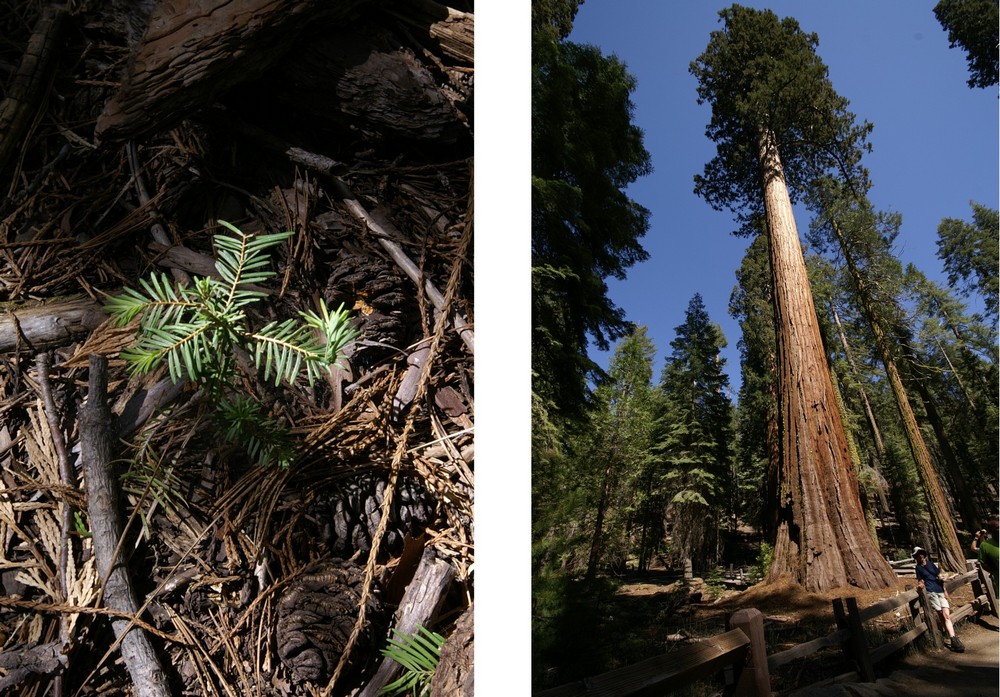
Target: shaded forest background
{"points": [[642, 467]]}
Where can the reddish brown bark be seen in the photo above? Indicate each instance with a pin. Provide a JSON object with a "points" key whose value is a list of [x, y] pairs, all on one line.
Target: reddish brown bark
{"points": [[823, 541]]}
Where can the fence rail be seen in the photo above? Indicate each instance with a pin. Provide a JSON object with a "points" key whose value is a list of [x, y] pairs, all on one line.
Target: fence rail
{"points": [[742, 648]]}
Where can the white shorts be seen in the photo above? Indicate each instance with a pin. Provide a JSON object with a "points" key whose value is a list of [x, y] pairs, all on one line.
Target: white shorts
{"points": [[938, 601]]}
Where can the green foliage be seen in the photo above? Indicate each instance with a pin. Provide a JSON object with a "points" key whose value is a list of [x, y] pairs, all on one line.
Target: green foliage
{"points": [[750, 304], [971, 255], [693, 435], [973, 25], [585, 152], [762, 566], [761, 74], [418, 654], [79, 526], [621, 425], [196, 331]]}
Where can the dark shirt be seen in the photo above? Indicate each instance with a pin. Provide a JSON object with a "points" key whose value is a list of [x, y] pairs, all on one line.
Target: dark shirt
{"points": [[929, 575]]}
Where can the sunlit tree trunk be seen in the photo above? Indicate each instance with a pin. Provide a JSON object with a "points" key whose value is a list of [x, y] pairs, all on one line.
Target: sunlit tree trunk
{"points": [[822, 539]]}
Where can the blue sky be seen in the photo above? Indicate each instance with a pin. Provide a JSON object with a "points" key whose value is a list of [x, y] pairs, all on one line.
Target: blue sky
{"points": [[934, 144]]}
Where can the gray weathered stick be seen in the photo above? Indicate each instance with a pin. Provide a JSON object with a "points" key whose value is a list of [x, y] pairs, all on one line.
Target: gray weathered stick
{"points": [[103, 500], [419, 605], [48, 325]]}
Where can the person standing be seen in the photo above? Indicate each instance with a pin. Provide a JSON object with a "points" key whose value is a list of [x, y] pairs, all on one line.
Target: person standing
{"points": [[987, 551], [929, 578]]}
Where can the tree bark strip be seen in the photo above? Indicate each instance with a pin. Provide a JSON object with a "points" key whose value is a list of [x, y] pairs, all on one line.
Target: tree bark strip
{"points": [[104, 508], [823, 541], [193, 51]]}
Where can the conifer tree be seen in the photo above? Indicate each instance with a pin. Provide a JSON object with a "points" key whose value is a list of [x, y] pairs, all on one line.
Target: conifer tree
{"points": [[693, 441], [621, 426], [585, 151]]}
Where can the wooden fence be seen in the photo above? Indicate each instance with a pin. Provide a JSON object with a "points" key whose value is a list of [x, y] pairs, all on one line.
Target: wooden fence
{"points": [[742, 653]]}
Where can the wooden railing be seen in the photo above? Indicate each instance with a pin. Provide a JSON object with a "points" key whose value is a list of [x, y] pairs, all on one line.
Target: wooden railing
{"points": [[742, 653]]}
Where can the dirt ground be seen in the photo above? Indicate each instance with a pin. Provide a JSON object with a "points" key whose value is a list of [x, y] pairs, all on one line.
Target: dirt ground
{"points": [[935, 673]]}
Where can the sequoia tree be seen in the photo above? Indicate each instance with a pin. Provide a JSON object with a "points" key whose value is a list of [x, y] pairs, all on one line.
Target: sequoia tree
{"points": [[778, 124]]}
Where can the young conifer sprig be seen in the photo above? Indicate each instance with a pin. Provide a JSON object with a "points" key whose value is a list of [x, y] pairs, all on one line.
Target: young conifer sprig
{"points": [[198, 330], [192, 329]]}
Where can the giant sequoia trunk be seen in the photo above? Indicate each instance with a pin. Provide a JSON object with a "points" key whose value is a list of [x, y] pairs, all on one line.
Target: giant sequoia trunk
{"points": [[822, 539]]}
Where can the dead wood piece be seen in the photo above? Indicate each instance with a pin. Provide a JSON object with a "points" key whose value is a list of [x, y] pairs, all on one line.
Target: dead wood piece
{"points": [[420, 604], [193, 51], [104, 508], [49, 325], [44, 659], [454, 674], [452, 29], [30, 83], [408, 387]]}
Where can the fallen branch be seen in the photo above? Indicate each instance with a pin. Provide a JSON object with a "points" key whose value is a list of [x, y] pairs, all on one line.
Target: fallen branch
{"points": [[420, 603], [49, 325], [46, 659], [103, 497]]}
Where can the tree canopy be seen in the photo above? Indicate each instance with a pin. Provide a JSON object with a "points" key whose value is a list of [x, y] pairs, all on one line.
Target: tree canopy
{"points": [[762, 72], [585, 152], [975, 26], [971, 255]]}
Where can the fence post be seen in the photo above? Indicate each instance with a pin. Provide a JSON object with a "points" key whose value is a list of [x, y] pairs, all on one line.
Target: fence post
{"points": [[987, 581], [930, 618], [754, 680], [859, 644]]}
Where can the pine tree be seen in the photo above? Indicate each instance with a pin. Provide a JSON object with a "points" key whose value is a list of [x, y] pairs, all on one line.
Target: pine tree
{"points": [[584, 228], [863, 238], [758, 452], [971, 256], [975, 26], [693, 441], [621, 426]]}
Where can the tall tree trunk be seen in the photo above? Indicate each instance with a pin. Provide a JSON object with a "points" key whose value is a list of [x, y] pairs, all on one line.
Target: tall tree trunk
{"points": [[823, 540], [964, 495], [869, 412], [947, 546], [597, 541]]}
